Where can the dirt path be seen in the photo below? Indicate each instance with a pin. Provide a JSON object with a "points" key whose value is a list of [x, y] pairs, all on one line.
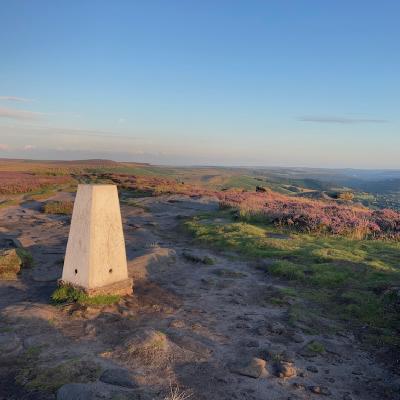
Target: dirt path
{"points": [[216, 330]]}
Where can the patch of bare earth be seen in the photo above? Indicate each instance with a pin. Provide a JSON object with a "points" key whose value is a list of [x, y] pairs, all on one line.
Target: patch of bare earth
{"points": [[199, 323]]}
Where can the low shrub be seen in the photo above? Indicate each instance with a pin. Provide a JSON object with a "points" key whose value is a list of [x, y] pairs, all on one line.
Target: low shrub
{"points": [[58, 207]]}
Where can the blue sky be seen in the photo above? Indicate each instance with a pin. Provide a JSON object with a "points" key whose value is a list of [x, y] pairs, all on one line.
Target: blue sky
{"points": [[297, 83]]}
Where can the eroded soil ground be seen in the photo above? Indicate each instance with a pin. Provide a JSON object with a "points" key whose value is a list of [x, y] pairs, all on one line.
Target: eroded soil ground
{"points": [[216, 331]]}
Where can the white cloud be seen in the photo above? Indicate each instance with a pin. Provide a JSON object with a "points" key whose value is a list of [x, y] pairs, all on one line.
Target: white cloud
{"points": [[13, 113], [121, 120], [16, 99], [29, 147]]}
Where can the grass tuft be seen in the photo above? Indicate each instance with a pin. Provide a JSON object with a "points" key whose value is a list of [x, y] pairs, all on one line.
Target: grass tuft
{"points": [[176, 393], [26, 257], [316, 347], [69, 294], [58, 207]]}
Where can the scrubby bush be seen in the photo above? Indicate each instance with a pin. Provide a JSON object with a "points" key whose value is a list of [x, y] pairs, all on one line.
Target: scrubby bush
{"points": [[346, 196], [58, 207]]}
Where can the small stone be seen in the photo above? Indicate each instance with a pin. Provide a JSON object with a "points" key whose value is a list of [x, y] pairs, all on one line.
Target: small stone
{"points": [[356, 372], [134, 226], [90, 330], [285, 369], [312, 369], [243, 318], [252, 343], [255, 368], [126, 313], [242, 325], [118, 377], [320, 390], [297, 385], [108, 309], [276, 328], [261, 330], [297, 338], [177, 323]]}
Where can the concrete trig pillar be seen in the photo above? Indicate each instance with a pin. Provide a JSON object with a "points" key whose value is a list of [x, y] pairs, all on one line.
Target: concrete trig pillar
{"points": [[95, 260]]}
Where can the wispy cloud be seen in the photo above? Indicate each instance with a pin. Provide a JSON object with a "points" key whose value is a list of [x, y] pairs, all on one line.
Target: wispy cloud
{"points": [[16, 99], [29, 147], [45, 130], [4, 147], [21, 115], [340, 120]]}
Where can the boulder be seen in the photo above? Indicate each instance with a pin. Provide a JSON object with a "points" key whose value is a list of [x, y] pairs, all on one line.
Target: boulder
{"points": [[285, 369], [323, 390], [254, 368]]}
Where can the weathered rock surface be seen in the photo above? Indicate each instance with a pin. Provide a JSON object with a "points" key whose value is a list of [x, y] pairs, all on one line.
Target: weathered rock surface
{"points": [[285, 369], [10, 345], [254, 368], [76, 391], [312, 369], [118, 377], [320, 390]]}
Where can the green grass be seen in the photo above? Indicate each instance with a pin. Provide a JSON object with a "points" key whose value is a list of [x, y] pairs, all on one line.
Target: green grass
{"points": [[35, 377], [69, 294], [316, 347], [42, 194], [9, 203], [351, 280], [26, 257], [134, 203]]}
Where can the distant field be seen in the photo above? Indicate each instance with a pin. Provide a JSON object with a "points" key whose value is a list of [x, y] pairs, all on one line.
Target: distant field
{"points": [[375, 189]]}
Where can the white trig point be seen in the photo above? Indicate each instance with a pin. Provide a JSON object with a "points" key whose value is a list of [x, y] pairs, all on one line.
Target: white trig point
{"points": [[95, 260]]}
